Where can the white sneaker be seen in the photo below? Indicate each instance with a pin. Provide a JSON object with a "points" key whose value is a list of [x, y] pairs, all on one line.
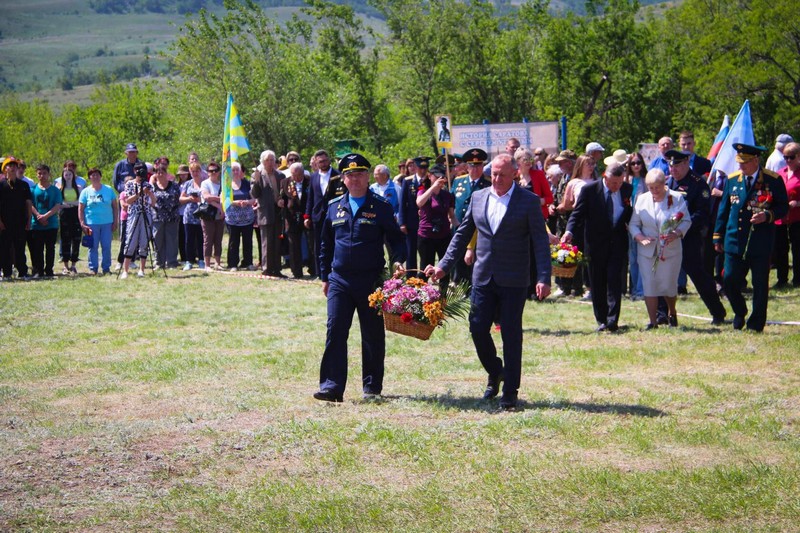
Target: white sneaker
{"points": [[234, 269], [187, 266], [117, 267], [208, 269], [140, 274], [587, 296], [558, 293], [124, 275]]}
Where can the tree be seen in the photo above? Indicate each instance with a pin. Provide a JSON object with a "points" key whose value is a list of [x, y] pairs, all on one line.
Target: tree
{"points": [[286, 99]]}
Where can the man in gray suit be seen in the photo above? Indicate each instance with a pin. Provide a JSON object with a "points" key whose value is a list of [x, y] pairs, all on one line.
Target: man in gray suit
{"points": [[510, 233]]}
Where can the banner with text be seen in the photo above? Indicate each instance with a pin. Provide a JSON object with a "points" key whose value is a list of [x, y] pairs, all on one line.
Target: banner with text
{"points": [[493, 137]]}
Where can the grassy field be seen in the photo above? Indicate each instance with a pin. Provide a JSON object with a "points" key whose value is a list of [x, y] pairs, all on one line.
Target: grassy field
{"points": [[185, 404]]}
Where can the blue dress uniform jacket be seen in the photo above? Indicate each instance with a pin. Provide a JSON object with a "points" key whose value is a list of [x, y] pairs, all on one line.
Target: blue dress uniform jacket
{"points": [[351, 260], [749, 245], [697, 196], [352, 245]]}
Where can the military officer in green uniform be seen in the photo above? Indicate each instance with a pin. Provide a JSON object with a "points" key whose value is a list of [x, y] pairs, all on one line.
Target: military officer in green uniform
{"points": [[462, 189], [753, 199]]}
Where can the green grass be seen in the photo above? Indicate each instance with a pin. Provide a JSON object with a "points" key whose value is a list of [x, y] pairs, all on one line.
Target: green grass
{"points": [[185, 404]]}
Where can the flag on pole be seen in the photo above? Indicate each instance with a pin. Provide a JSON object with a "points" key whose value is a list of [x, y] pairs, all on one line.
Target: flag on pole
{"points": [[720, 138], [234, 145], [740, 132]]}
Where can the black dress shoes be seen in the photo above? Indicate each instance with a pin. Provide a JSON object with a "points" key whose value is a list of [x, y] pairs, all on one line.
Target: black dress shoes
{"points": [[651, 326], [508, 403], [718, 320], [661, 320], [492, 387], [673, 321], [738, 322], [601, 328], [327, 396]]}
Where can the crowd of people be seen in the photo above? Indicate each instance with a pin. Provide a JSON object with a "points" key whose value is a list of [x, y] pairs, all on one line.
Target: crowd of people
{"points": [[181, 220]]}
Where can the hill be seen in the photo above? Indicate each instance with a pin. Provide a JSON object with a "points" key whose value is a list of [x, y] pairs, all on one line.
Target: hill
{"points": [[53, 46]]}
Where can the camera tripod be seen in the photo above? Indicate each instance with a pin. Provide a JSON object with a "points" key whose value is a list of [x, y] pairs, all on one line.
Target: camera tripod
{"points": [[143, 218]]}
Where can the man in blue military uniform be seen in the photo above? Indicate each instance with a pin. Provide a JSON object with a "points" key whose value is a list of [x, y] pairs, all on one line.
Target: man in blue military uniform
{"points": [[698, 200], [462, 189], [408, 215], [351, 264], [753, 199]]}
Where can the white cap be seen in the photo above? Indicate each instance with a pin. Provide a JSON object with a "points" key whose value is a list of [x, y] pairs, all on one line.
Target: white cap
{"points": [[594, 147]]}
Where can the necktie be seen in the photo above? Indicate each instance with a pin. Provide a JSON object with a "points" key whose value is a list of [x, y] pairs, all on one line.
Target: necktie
{"points": [[610, 206], [749, 182]]}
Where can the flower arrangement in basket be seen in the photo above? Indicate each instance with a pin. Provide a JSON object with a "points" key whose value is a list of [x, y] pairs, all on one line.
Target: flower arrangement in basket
{"points": [[565, 259], [414, 307]]}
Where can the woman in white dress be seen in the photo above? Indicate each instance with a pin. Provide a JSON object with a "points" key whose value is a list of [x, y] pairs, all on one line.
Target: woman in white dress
{"points": [[660, 219]]}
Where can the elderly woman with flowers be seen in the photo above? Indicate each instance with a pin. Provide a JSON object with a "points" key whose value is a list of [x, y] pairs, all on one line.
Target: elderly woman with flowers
{"points": [[660, 218]]}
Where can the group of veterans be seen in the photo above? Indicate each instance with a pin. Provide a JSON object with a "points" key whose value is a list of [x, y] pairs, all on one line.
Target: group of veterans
{"points": [[464, 218]]}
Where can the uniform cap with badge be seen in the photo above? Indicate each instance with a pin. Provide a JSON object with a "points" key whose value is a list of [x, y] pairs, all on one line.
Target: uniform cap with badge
{"points": [[676, 156], [475, 156], [747, 152], [353, 163], [422, 161]]}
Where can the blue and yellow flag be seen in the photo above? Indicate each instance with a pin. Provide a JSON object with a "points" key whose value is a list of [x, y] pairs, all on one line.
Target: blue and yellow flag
{"points": [[234, 145]]}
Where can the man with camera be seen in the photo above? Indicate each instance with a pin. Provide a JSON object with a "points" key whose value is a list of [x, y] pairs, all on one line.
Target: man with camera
{"points": [[140, 198]]}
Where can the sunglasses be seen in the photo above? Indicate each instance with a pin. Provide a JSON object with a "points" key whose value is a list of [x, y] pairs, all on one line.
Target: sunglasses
{"points": [[637, 163], [213, 171], [789, 157], [293, 160]]}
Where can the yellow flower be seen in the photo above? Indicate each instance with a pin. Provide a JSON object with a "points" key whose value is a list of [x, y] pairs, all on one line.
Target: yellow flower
{"points": [[376, 298], [416, 282], [433, 312]]}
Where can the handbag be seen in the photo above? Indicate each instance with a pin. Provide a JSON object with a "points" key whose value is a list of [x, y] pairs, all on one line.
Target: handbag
{"points": [[87, 241], [206, 211]]}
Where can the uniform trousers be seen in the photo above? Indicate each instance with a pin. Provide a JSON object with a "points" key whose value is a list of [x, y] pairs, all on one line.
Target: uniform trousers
{"points": [[736, 267], [348, 294], [509, 303]]}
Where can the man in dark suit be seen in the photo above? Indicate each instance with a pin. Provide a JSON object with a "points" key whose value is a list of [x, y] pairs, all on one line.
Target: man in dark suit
{"points": [[753, 199], [699, 164], [602, 213], [294, 191], [510, 233], [325, 186]]}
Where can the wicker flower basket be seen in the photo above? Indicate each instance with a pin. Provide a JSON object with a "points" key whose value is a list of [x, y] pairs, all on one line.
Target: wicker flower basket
{"points": [[412, 329], [564, 272]]}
